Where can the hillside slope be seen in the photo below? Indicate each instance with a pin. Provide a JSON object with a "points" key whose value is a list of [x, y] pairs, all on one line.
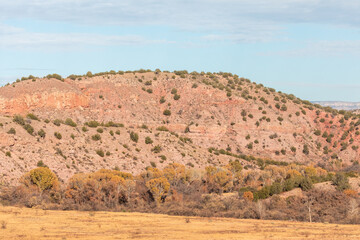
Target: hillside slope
{"points": [[195, 119]]}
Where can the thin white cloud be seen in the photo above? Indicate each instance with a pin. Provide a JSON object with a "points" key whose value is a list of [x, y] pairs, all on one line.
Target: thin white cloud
{"points": [[322, 49], [12, 37], [187, 14], [238, 21]]}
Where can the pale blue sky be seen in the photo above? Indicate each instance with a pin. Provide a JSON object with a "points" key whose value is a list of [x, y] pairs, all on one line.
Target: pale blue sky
{"points": [[307, 47]]}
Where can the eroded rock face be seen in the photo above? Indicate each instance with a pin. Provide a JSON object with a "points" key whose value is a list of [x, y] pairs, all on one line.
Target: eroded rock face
{"points": [[42, 95], [26, 103], [250, 122]]}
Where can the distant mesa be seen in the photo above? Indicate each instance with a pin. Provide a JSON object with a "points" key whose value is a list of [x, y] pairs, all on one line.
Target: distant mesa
{"points": [[339, 105]]}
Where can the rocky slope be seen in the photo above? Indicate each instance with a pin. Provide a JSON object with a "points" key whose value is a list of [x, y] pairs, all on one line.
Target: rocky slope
{"points": [[210, 118]]}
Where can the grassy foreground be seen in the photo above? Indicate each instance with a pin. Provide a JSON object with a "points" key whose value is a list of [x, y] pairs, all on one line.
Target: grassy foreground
{"points": [[24, 223]]}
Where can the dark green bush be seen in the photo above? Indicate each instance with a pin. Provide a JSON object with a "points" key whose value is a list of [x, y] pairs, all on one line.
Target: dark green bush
{"points": [[57, 122], [41, 133], [58, 135], [100, 152], [12, 131], [148, 140], [96, 137], [134, 137], [32, 116], [70, 122], [29, 129], [19, 120], [167, 112]]}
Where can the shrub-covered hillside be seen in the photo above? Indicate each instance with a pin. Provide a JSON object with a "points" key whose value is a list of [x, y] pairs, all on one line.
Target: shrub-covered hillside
{"points": [[134, 119]]}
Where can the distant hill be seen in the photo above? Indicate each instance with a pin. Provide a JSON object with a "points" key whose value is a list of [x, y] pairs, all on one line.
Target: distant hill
{"points": [[339, 105], [154, 118]]}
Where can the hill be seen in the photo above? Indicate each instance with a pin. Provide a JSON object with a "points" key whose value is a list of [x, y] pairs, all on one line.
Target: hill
{"points": [[130, 120]]}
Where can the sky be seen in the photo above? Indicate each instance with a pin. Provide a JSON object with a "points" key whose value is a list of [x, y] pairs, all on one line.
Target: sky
{"points": [[310, 48]]}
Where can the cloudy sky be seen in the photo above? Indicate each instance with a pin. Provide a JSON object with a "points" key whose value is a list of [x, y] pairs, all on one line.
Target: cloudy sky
{"points": [[307, 47]]}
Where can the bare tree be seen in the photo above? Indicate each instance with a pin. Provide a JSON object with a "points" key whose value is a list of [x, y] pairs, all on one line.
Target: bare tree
{"points": [[353, 209], [309, 202], [260, 207]]}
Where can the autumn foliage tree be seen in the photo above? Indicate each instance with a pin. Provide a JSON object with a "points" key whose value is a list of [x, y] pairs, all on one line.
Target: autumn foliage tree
{"points": [[159, 188], [104, 188], [42, 177], [218, 179]]}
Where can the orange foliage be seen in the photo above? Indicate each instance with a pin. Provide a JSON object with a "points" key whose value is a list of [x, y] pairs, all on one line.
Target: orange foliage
{"points": [[248, 196], [175, 173], [351, 193], [218, 179]]}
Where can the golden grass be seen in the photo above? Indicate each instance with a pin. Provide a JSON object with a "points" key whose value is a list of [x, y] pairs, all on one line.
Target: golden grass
{"points": [[24, 223]]}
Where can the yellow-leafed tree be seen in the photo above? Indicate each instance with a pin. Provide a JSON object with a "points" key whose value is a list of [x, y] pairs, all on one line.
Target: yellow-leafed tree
{"points": [[159, 188], [42, 177]]}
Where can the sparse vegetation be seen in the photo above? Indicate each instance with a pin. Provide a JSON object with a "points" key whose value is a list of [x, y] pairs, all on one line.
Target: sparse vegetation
{"points": [[58, 135]]}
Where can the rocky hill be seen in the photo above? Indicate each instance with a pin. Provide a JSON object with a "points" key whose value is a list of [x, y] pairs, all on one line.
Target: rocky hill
{"points": [[130, 120]]}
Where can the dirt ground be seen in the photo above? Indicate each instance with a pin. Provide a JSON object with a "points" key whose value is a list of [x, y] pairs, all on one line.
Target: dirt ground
{"points": [[24, 223]]}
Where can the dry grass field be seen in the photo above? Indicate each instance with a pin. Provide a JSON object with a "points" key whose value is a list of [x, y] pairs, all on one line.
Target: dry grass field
{"points": [[24, 223]]}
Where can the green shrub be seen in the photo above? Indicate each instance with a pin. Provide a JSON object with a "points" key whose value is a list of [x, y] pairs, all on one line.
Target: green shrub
{"points": [[29, 129], [341, 181], [58, 135], [176, 97], [57, 122], [134, 137], [162, 100], [84, 129], [12, 131], [306, 184], [100, 130], [8, 154], [306, 149], [156, 149], [148, 140], [250, 146], [96, 137], [167, 112], [70, 122], [100, 152], [162, 128], [93, 124], [19, 120], [41, 164], [41, 133], [317, 132], [32, 116], [55, 75], [173, 91], [112, 124]]}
